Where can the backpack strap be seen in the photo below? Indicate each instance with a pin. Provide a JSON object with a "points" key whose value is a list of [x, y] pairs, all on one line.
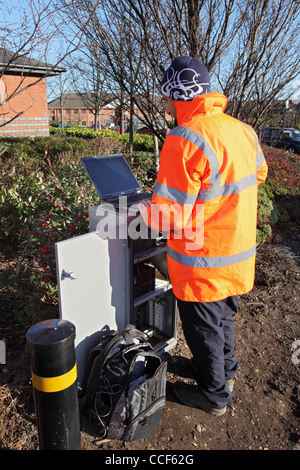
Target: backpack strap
{"points": [[99, 356], [91, 359]]}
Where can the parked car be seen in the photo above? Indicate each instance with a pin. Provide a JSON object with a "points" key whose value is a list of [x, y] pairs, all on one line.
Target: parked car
{"points": [[66, 126], [287, 138]]}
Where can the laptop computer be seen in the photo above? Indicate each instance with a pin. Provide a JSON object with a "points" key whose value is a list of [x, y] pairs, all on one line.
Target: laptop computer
{"points": [[112, 177]]}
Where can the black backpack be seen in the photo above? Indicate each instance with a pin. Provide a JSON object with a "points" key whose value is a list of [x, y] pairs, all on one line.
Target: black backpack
{"points": [[125, 386]]}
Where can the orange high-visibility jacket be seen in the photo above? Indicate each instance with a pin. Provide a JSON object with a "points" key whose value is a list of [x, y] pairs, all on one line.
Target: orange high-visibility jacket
{"points": [[206, 198]]}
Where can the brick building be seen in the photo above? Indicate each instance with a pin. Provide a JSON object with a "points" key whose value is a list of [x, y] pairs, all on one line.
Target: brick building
{"points": [[78, 109], [23, 95]]}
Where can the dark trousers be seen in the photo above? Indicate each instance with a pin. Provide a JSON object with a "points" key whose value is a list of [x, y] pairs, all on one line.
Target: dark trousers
{"points": [[208, 328]]}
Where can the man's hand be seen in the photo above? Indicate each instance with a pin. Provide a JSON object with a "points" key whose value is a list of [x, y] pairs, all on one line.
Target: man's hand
{"points": [[143, 206]]}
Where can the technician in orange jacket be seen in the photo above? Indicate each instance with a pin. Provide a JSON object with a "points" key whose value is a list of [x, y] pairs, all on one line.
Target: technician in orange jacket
{"points": [[205, 197]]}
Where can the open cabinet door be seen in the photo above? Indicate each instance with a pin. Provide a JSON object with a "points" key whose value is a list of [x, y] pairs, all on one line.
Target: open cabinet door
{"points": [[92, 285]]}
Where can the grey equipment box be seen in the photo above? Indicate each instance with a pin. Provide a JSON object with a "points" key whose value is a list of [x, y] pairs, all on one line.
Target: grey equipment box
{"points": [[107, 280]]}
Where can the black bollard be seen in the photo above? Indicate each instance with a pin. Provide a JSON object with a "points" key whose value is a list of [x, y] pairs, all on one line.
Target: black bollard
{"points": [[54, 380]]}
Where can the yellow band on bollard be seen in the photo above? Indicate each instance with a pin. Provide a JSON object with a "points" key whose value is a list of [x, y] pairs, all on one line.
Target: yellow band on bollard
{"points": [[54, 384]]}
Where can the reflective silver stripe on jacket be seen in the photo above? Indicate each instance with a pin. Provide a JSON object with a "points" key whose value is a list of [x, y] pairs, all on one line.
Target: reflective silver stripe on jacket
{"points": [[173, 194], [216, 190], [259, 160], [211, 262], [259, 155], [205, 194], [201, 142], [228, 188]]}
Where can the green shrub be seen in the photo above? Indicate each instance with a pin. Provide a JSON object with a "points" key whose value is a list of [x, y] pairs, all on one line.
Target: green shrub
{"points": [[267, 209], [45, 149], [263, 233], [142, 164], [39, 208], [142, 142]]}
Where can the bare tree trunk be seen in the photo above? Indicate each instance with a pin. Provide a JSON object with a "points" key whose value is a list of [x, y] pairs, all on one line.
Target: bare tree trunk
{"points": [[131, 127], [156, 153], [193, 8], [250, 48], [122, 113], [264, 60], [61, 110]]}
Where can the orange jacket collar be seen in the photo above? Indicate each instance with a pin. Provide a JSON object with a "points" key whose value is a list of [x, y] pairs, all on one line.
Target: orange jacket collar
{"points": [[210, 102]]}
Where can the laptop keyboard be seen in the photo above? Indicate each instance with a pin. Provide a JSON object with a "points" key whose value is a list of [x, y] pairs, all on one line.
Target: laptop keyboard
{"points": [[131, 199], [138, 197]]}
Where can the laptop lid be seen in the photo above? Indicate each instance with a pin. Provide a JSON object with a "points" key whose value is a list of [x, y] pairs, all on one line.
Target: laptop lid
{"points": [[111, 175]]}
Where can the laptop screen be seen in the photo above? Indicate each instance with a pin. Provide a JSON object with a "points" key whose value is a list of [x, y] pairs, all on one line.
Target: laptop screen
{"points": [[111, 175]]}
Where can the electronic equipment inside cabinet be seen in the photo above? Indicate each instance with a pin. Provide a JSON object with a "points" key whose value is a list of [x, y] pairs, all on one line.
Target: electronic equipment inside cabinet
{"points": [[107, 280]]}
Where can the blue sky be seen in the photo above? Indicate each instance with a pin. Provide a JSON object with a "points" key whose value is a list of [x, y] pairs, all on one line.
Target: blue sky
{"points": [[14, 15]]}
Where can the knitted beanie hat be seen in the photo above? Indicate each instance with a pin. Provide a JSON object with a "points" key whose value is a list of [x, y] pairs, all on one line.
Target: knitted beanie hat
{"points": [[185, 79]]}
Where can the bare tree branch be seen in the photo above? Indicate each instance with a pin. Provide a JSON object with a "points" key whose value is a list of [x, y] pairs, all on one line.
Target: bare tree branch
{"points": [[26, 43]]}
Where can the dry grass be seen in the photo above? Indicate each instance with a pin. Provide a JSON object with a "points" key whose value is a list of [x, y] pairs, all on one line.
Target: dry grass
{"points": [[17, 428]]}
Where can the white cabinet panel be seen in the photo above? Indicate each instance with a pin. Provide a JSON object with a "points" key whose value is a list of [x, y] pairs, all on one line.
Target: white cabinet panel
{"points": [[92, 285]]}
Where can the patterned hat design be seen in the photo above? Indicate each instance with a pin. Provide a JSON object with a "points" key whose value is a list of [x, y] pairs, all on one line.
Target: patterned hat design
{"points": [[185, 79]]}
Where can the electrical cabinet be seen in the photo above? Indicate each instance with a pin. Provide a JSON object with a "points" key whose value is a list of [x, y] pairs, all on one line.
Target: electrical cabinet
{"points": [[108, 279]]}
